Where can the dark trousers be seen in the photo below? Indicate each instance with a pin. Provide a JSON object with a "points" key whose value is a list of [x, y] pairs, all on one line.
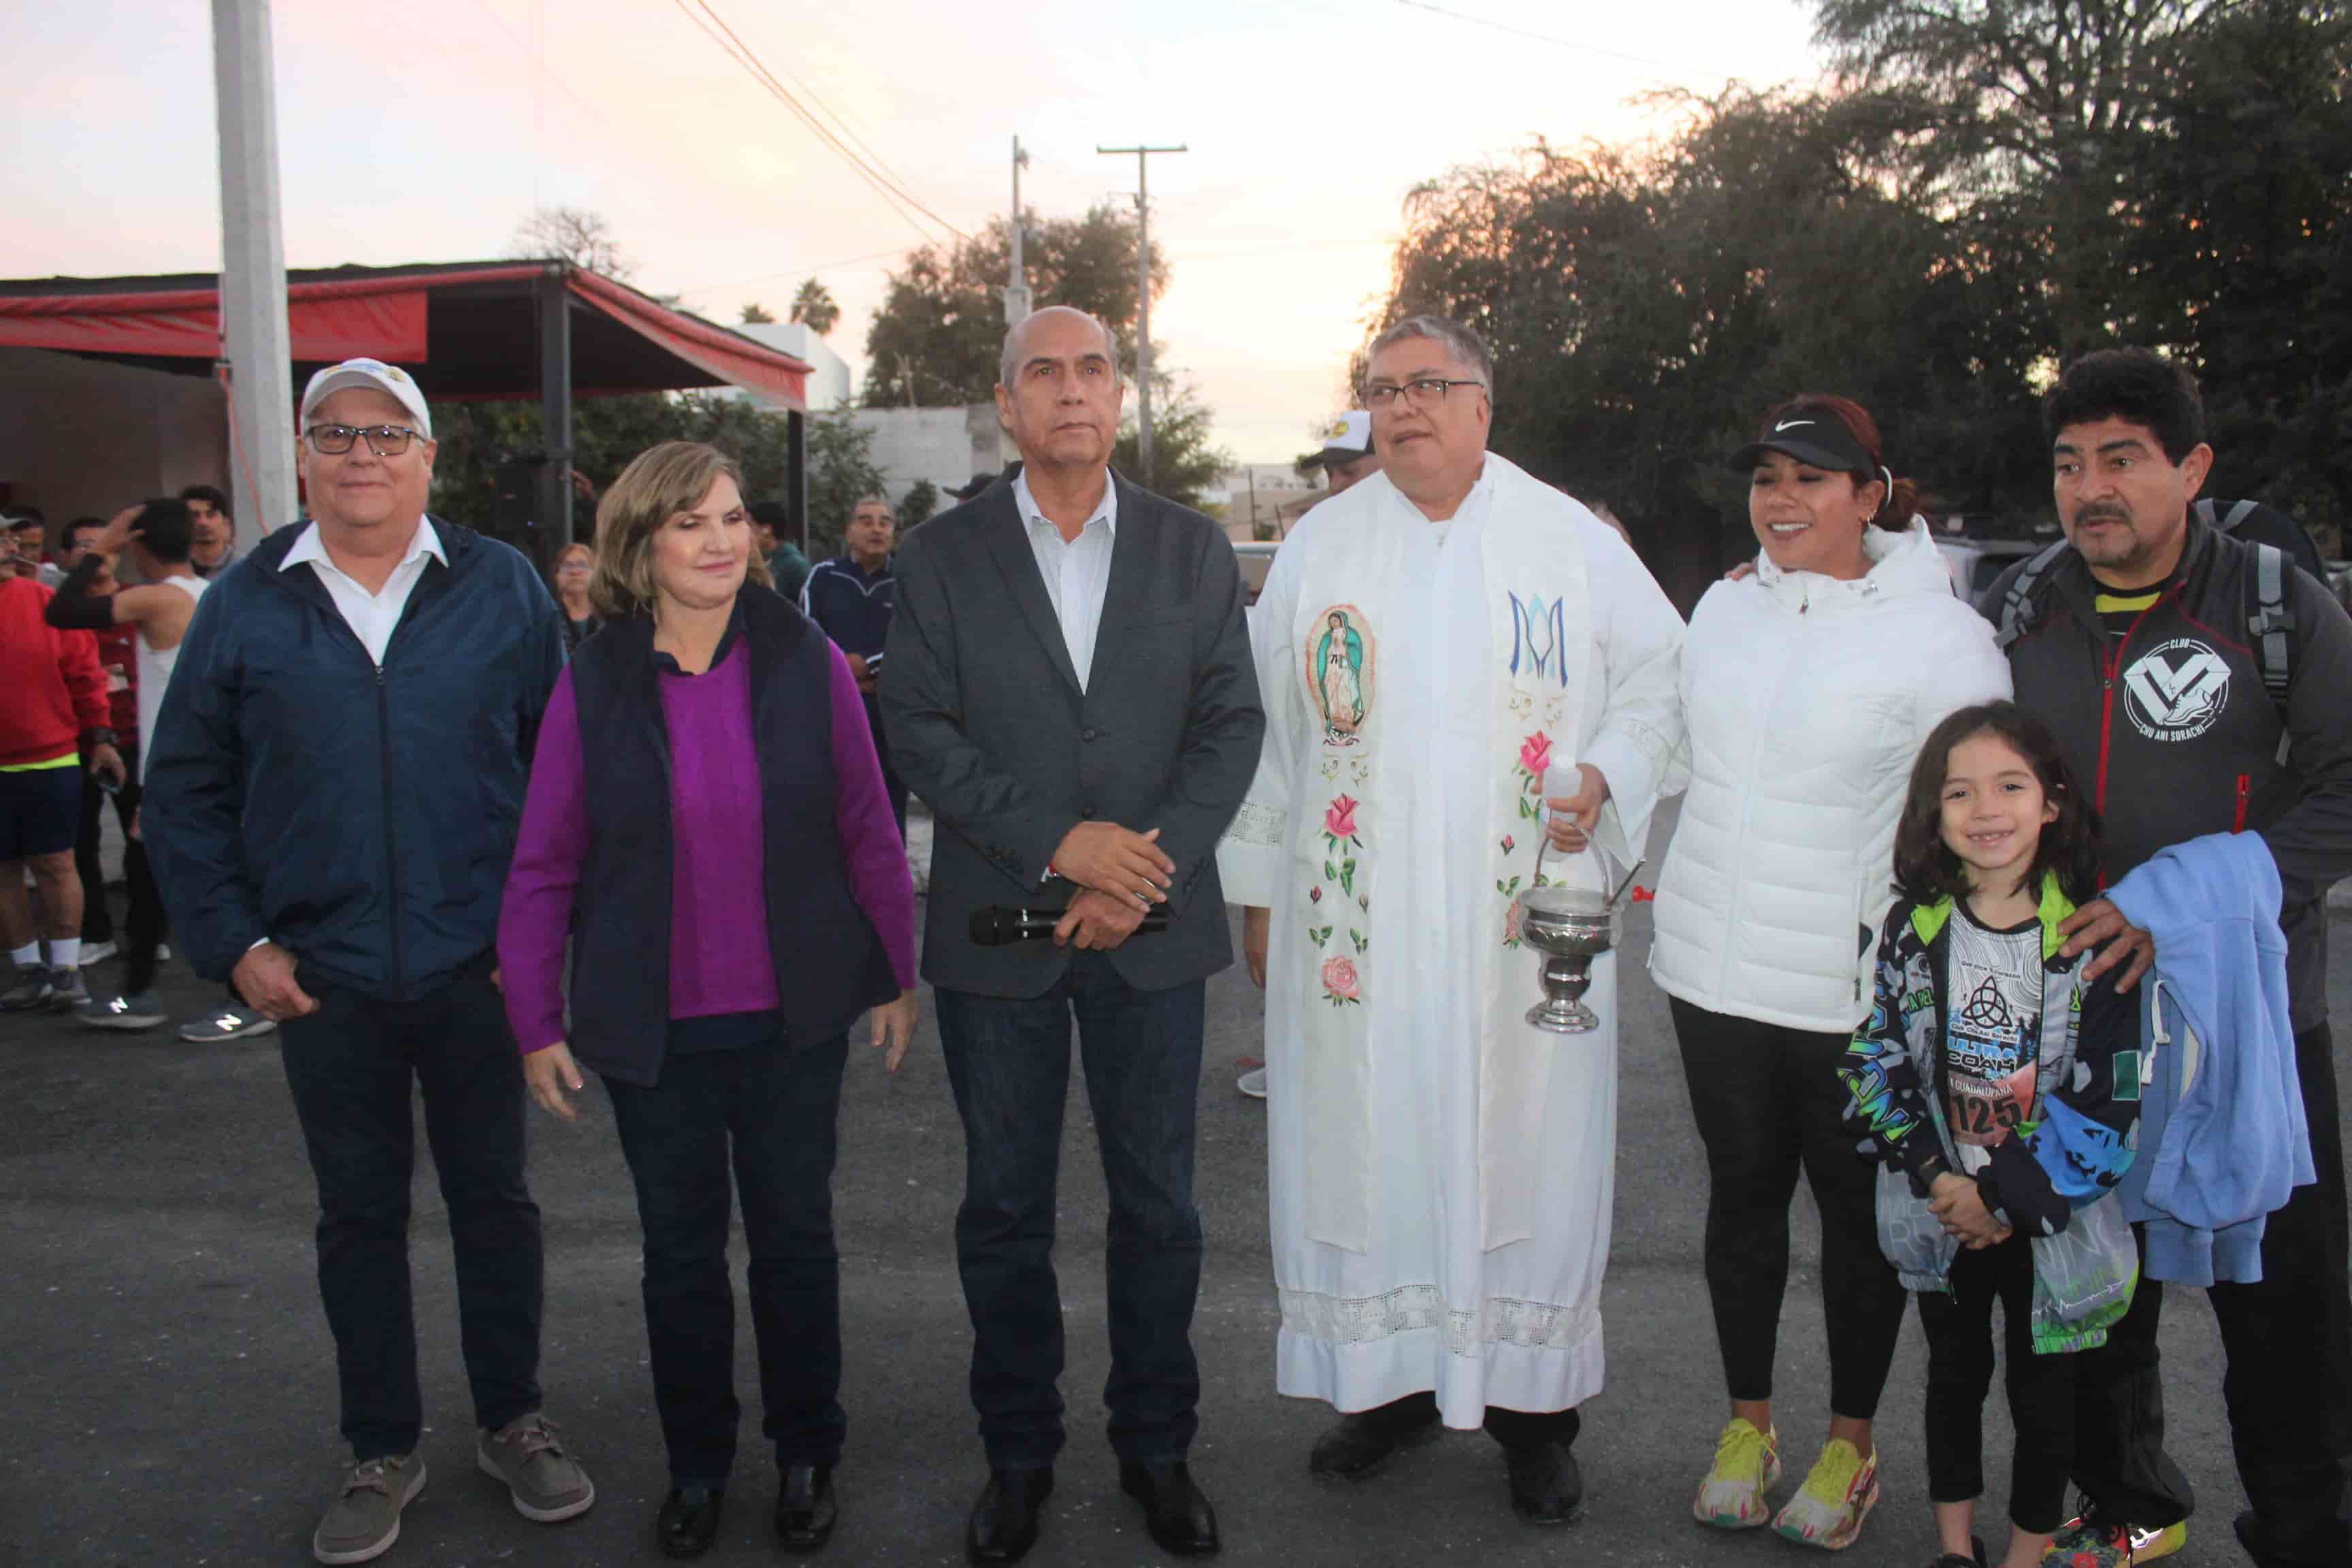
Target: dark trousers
{"points": [[770, 1109], [892, 784], [1768, 1104], [349, 1064], [2288, 1386], [143, 924], [1008, 1060], [2119, 1458], [1960, 1374]]}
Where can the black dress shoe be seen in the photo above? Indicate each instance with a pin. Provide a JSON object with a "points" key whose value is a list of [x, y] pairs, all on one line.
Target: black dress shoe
{"points": [[689, 1521], [1546, 1486], [1004, 1520], [805, 1507], [1356, 1447], [1174, 1510]]}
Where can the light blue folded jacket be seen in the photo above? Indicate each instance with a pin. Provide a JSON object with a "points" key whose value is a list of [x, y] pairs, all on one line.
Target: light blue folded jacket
{"points": [[2223, 1139]]}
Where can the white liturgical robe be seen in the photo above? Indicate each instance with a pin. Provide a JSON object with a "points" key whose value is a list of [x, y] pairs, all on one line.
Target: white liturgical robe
{"points": [[1440, 1173]]}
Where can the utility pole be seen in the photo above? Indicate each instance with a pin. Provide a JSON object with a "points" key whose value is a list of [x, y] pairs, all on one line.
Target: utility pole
{"points": [[1016, 287], [255, 345], [1142, 300]]}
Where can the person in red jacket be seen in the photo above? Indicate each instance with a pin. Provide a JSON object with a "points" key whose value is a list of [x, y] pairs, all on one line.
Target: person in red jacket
{"points": [[57, 717]]}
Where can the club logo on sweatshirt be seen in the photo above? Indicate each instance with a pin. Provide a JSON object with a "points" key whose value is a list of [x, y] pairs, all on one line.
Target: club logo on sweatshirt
{"points": [[2177, 689]]}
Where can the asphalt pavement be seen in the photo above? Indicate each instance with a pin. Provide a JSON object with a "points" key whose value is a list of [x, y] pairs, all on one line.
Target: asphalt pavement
{"points": [[167, 1381]]}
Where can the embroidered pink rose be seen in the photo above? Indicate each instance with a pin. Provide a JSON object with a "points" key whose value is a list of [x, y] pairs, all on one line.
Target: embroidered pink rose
{"points": [[1314, 895], [1511, 924], [1510, 844], [1534, 753], [1339, 819], [1339, 978]]}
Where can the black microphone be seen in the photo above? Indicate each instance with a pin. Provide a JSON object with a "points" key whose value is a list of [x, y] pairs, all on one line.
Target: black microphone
{"points": [[993, 925]]}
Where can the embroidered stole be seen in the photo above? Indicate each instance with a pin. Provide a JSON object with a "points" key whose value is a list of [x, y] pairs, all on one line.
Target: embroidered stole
{"points": [[1364, 907]]}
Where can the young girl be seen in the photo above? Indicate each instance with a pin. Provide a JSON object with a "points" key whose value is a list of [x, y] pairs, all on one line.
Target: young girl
{"points": [[1999, 1091]]}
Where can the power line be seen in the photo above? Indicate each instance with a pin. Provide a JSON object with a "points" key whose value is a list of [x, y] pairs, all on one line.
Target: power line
{"points": [[873, 158], [760, 75], [884, 185]]}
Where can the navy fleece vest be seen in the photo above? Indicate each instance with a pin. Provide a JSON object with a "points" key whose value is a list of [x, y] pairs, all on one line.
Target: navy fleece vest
{"points": [[830, 962]]}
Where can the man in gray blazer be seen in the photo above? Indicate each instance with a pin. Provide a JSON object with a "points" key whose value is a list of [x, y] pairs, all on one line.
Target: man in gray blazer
{"points": [[1069, 684]]}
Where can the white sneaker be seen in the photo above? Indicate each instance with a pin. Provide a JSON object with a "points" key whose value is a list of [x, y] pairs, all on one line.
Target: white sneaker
{"points": [[97, 952], [1252, 1083]]}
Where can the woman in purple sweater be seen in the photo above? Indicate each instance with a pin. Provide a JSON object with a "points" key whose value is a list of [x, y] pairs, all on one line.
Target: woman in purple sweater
{"points": [[705, 786]]}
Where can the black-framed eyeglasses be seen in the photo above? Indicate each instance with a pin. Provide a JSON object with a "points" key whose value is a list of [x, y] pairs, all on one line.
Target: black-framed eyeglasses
{"points": [[1426, 393], [384, 440]]}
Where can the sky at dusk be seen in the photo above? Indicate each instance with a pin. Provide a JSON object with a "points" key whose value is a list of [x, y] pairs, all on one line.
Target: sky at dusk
{"points": [[425, 130]]}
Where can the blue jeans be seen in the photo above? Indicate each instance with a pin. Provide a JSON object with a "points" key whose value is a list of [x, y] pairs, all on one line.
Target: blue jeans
{"points": [[770, 1107], [350, 1066], [1008, 1060]]}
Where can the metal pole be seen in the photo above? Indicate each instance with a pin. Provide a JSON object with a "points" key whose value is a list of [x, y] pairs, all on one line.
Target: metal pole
{"points": [[1016, 288], [255, 343], [1143, 303], [553, 529], [796, 473]]}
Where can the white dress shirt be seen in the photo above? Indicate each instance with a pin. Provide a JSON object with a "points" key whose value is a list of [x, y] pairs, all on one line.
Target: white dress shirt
{"points": [[1076, 571], [370, 617]]}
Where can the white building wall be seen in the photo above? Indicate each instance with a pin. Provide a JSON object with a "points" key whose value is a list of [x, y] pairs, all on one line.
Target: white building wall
{"points": [[83, 437], [945, 446], [828, 382]]}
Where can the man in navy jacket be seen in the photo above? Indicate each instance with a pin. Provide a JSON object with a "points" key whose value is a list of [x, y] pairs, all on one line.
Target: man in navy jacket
{"points": [[334, 795], [850, 598]]}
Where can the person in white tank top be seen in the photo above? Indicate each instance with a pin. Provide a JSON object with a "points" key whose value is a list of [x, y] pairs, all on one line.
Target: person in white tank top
{"points": [[159, 534]]}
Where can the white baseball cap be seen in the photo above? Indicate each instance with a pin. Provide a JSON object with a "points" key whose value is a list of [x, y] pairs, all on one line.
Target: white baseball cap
{"points": [[385, 378], [1349, 437]]}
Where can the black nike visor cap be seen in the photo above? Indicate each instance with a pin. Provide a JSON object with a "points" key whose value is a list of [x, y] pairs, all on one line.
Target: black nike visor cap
{"points": [[1812, 436]]}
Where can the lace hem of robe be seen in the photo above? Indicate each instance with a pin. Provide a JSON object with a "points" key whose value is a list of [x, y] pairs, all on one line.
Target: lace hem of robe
{"points": [[1409, 1309]]}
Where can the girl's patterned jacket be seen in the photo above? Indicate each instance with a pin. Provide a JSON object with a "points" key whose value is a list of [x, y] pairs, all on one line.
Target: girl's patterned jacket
{"points": [[2062, 1158]]}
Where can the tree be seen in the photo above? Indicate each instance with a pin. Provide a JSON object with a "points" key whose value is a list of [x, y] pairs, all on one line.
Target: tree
{"points": [[477, 438], [936, 339], [2168, 173], [921, 499], [756, 315], [812, 304], [575, 235], [841, 469], [1185, 464], [2242, 258], [1646, 305]]}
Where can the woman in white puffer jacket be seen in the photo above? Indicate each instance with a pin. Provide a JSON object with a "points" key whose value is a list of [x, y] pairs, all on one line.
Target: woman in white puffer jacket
{"points": [[1807, 690]]}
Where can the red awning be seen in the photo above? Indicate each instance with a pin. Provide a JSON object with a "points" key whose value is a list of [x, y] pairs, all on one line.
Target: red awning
{"points": [[387, 313], [732, 357], [382, 317]]}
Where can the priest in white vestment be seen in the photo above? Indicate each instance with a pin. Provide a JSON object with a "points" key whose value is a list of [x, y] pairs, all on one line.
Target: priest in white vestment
{"points": [[1429, 646]]}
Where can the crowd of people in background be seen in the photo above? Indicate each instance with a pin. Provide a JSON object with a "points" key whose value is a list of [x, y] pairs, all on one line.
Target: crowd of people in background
{"points": [[2002, 924]]}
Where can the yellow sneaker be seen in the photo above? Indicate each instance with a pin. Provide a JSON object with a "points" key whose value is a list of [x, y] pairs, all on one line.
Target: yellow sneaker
{"points": [[1837, 1496], [1746, 1466]]}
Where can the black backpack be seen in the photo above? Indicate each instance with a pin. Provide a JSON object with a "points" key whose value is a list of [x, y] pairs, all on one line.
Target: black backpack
{"points": [[2269, 615]]}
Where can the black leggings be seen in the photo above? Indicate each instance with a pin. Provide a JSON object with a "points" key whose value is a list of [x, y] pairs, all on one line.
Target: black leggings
{"points": [[143, 929], [1766, 1102], [1960, 1374]]}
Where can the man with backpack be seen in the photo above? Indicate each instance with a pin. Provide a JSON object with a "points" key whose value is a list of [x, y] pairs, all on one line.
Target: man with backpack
{"points": [[2196, 680]]}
